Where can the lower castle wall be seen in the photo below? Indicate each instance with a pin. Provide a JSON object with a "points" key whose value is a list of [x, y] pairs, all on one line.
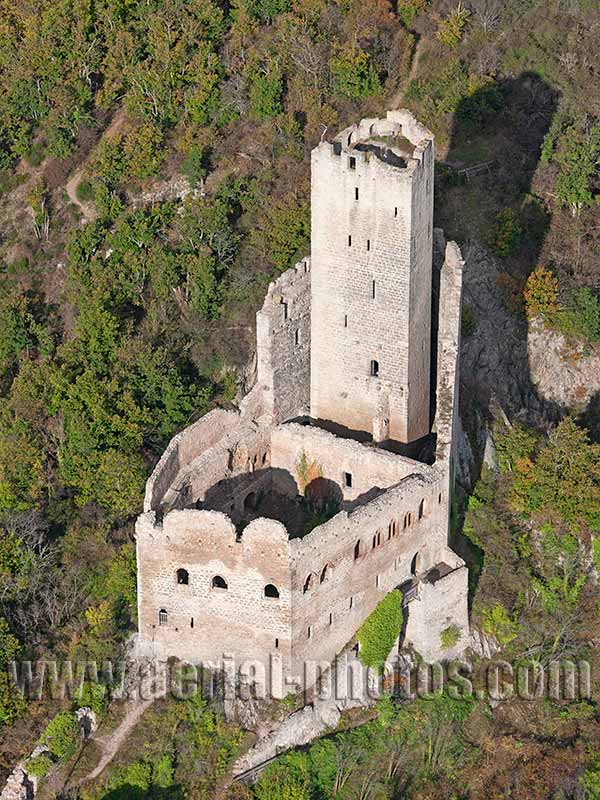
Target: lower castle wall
{"points": [[335, 607], [239, 619]]}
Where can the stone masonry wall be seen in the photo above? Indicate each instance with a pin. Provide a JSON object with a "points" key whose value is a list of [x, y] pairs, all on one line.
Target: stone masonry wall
{"points": [[344, 568], [364, 248], [203, 621], [283, 344], [335, 458]]}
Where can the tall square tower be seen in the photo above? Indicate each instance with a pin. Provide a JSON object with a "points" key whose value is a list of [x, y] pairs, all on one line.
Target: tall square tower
{"points": [[372, 220]]}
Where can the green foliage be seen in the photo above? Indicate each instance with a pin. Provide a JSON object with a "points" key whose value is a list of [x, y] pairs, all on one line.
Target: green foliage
{"points": [[39, 766], [497, 622], [407, 10], [449, 637], [468, 320], [265, 88], [288, 232], [84, 191], [90, 695], [266, 10], [451, 29], [514, 445], [577, 156], [580, 315], [61, 735], [287, 778], [380, 630], [508, 233], [353, 74], [541, 294]]}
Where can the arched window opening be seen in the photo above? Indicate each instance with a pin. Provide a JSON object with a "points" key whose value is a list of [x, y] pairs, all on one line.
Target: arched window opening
{"points": [[162, 616], [250, 501], [440, 498], [183, 577], [378, 538], [219, 583], [391, 529], [407, 520], [416, 564], [374, 541], [309, 582], [326, 572], [357, 550], [423, 512], [271, 591]]}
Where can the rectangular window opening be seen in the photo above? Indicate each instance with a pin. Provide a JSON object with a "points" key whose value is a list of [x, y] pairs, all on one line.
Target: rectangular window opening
{"points": [[396, 211], [374, 369], [330, 618], [356, 192], [285, 310], [368, 244], [192, 622], [348, 480], [345, 320], [297, 337], [349, 241], [352, 162], [276, 644], [373, 290], [351, 602], [309, 632]]}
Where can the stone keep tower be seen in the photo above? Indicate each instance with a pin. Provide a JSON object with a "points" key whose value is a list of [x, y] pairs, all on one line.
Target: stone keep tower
{"points": [[372, 215]]}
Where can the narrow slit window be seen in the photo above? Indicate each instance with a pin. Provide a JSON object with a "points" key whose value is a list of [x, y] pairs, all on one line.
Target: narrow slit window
{"points": [[297, 337], [348, 480], [352, 162], [345, 320], [368, 244], [396, 211], [374, 369], [330, 618], [373, 290], [356, 192], [191, 622], [276, 644], [162, 616], [349, 241], [309, 632], [351, 602]]}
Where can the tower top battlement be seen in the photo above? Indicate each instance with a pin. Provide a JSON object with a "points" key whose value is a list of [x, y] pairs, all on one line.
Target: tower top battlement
{"points": [[398, 139]]}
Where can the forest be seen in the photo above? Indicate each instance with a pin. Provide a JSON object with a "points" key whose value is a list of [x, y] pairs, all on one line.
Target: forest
{"points": [[154, 178]]}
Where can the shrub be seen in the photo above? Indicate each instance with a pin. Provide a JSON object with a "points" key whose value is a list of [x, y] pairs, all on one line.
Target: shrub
{"points": [[407, 10], [266, 89], [36, 153], [84, 191], [541, 294], [508, 233], [468, 321], [38, 766], [449, 637], [90, 695], [451, 29], [581, 315], [353, 74], [380, 630], [513, 445], [62, 735], [496, 622]]}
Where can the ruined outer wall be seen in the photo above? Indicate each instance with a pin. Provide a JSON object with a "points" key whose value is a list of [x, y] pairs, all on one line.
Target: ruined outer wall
{"points": [[240, 619], [350, 327], [450, 305], [336, 607], [333, 456], [184, 448], [283, 344]]}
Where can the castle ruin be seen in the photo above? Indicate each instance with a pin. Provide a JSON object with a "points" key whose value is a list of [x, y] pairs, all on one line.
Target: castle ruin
{"points": [[278, 528]]}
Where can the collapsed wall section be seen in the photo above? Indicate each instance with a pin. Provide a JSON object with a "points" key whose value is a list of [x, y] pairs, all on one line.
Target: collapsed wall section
{"points": [[283, 344]]}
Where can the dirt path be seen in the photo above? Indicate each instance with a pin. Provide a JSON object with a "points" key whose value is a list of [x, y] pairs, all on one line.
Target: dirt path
{"points": [[398, 98], [87, 208], [112, 742]]}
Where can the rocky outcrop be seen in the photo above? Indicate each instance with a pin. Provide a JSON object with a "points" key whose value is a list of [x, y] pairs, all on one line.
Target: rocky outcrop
{"points": [[563, 372], [495, 361]]}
